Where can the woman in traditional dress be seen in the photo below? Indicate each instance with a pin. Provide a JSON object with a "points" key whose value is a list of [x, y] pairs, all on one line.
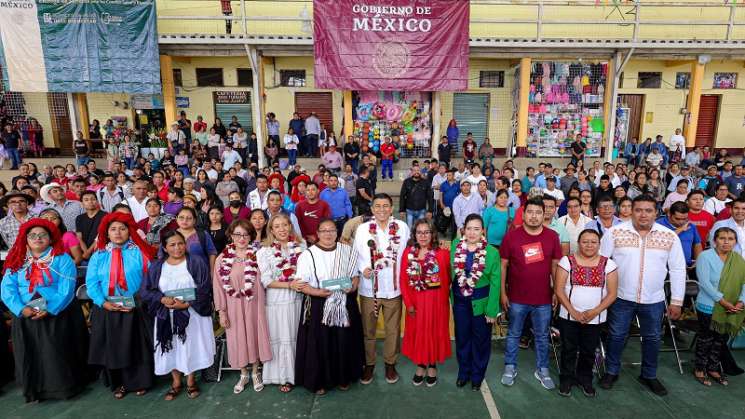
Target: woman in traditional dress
{"points": [[277, 264], [586, 285], [330, 350], [239, 301], [476, 287], [425, 277], [183, 337], [49, 335], [155, 222], [121, 338], [258, 220]]}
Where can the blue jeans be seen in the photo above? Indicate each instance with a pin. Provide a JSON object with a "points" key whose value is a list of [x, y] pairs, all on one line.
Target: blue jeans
{"points": [[387, 168], [81, 160], [14, 156], [292, 156], [129, 162], [355, 163], [540, 316], [413, 215], [620, 316]]}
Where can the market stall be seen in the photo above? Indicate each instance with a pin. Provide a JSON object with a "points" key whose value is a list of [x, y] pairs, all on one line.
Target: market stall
{"points": [[565, 99], [404, 114]]}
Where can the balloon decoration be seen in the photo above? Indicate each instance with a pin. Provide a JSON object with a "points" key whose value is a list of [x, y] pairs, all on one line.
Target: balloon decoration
{"points": [[401, 115]]}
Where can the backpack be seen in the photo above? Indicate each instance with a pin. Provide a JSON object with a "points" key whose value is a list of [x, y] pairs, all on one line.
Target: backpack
{"points": [[712, 185]]}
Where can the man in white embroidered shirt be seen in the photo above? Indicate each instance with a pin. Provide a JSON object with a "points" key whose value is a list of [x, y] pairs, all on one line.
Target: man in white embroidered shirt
{"points": [[379, 290], [645, 253]]}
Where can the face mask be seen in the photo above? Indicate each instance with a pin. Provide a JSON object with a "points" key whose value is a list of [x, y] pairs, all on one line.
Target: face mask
{"points": [[235, 203]]}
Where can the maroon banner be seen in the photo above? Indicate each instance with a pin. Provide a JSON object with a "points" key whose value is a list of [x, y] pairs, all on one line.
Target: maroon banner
{"points": [[412, 45]]}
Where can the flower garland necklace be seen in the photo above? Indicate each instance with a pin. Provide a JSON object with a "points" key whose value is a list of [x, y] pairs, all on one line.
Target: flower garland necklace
{"points": [[467, 282], [393, 239], [420, 275], [250, 272], [286, 265]]}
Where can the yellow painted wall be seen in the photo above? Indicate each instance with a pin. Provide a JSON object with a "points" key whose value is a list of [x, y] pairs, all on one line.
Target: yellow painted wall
{"points": [[604, 11], [665, 103], [200, 98], [500, 101], [37, 107], [101, 107], [281, 100]]}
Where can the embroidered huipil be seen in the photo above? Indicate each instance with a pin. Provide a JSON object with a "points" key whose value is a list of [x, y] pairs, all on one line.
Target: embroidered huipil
{"points": [[644, 263], [99, 267], [58, 290], [386, 277]]}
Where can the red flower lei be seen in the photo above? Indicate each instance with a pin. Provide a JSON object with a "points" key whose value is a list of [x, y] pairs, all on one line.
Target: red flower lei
{"points": [[394, 239], [286, 266], [420, 275], [250, 272], [468, 282]]}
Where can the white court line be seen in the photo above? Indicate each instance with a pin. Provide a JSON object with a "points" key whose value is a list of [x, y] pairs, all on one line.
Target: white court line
{"points": [[489, 400]]}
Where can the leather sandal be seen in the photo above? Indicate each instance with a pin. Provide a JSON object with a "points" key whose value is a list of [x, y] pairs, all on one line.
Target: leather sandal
{"points": [[172, 393], [192, 392], [120, 392]]}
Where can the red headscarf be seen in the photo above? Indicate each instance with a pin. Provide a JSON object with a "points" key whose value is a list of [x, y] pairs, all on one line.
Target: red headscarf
{"points": [[116, 272], [126, 219], [17, 255]]}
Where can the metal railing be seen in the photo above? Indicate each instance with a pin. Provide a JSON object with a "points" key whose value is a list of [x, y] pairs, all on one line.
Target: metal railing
{"points": [[632, 20]]}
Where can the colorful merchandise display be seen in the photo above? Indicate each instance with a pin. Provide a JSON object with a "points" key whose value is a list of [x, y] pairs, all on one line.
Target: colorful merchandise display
{"points": [[565, 99], [405, 114]]}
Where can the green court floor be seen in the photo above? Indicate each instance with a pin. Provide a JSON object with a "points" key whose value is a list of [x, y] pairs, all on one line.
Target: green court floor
{"points": [[526, 399]]}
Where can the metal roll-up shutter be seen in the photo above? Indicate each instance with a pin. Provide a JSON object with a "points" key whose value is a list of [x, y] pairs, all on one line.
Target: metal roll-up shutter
{"points": [[707, 120], [471, 111], [319, 102], [242, 111]]}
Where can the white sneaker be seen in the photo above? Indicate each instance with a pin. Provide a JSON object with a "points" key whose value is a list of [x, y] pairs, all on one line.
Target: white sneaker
{"points": [[241, 384]]}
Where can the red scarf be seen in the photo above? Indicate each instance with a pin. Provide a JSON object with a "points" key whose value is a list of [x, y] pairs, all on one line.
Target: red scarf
{"points": [[116, 275], [36, 276]]}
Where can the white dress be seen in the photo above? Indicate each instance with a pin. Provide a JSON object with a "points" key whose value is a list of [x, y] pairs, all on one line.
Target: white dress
{"points": [[198, 351], [283, 307]]}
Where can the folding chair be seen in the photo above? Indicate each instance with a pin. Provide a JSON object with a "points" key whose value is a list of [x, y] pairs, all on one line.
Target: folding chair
{"points": [[221, 341]]}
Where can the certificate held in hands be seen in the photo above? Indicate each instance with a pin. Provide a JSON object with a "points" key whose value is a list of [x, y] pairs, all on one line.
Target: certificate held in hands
{"points": [[122, 301], [182, 294], [38, 304], [337, 284]]}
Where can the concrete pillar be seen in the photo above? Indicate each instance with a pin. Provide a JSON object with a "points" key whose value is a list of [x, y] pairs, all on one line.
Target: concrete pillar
{"points": [[348, 122], [81, 106], [522, 113], [169, 89], [436, 121], [690, 124]]}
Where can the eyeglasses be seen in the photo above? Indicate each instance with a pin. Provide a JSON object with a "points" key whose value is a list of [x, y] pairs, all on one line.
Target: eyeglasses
{"points": [[423, 233], [241, 236], [327, 231], [38, 236]]}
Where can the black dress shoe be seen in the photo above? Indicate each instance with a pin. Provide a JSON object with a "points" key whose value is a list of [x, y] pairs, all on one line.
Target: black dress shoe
{"points": [[606, 383], [654, 385], [476, 386], [461, 383], [565, 388]]}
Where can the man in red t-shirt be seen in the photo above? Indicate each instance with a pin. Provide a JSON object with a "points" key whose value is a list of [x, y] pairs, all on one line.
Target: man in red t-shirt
{"points": [[387, 151], [310, 212], [530, 254], [698, 217]]}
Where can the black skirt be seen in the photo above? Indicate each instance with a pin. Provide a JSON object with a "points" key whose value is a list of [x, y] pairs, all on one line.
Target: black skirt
{"points": [[50, 354], [122, 343], [6, 356], [328, 357]]}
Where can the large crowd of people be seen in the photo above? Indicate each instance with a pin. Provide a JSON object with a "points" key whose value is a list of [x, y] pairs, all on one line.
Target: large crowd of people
{"points": [[123, 270]]}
